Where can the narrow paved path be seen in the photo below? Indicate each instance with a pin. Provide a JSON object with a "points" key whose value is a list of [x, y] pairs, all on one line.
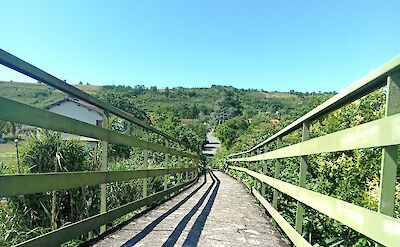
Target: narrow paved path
{"points": [[216, 211], [212, 145]]}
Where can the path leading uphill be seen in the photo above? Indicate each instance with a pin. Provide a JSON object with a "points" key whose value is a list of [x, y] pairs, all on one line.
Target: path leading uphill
{"points": [[216, 211]]}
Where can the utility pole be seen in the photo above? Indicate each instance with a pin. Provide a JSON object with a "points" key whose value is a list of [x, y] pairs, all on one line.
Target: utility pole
{"points": [[16, 147]]}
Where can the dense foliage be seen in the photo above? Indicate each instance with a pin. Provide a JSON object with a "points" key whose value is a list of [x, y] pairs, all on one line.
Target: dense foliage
{"points": [[186, 113], [352, 176], [23, 217]]}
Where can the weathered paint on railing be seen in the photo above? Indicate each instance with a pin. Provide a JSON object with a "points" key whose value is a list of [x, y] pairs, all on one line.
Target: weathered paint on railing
{"points": [[378, 226]]}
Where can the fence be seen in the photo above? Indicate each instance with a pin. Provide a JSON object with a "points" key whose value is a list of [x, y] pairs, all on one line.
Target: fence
{"points": [[22, 184], [379, 226]]}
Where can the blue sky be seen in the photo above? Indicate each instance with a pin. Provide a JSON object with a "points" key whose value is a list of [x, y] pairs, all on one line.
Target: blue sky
{"points": [[272, 45]]}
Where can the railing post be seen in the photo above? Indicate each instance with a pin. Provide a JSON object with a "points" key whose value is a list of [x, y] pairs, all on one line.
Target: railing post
{"points": [[104, 160], [166, 165], [277, 174], [191, 172], [145, 166], [179, 178], [259, 166], [389, 153], [195, 164], [264, 171], [186, 173], [302, 179]]}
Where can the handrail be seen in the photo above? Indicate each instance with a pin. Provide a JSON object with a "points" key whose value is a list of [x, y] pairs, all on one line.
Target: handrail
{"points": [[12, 185], [294, 236], [381, 132], [374, 80], [22, 184], [25, 114], [379, 226], [67, 232], [27, 69], [372, 224]]}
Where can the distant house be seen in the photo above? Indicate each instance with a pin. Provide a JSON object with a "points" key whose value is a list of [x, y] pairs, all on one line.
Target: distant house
{"points": [[79, 110], [188, 120]]}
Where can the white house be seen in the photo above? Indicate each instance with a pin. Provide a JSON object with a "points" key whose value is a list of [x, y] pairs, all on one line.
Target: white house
{"points": [[79, 110]]}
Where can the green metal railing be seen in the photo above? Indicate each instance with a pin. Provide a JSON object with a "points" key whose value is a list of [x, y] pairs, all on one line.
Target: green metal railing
{"points": [[21, 184], [379, 226]]}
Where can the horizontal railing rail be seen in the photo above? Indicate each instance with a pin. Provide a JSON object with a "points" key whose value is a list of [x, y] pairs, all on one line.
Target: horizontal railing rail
{"points": [[24, 114], [11, 185], [67, 232], [293, 235], [23, 184], [27, 69], [379, 227], [383, 133]]}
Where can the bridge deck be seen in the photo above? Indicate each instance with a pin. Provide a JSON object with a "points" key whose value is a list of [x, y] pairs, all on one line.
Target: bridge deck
{"points": [[217, 211]]}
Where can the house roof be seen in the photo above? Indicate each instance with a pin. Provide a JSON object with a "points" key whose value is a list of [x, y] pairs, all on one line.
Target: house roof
{"points": [[79, 102]]}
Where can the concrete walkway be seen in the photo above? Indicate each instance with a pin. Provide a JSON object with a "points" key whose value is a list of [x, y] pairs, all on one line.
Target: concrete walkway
{"points": [[212, 145], [216, 211]]}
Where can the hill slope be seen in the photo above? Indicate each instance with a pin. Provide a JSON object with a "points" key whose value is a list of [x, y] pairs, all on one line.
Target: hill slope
{"points": [[206, 104]]}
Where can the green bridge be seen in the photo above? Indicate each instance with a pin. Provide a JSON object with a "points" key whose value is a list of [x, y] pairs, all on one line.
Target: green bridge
{"points": [[379, 226]]}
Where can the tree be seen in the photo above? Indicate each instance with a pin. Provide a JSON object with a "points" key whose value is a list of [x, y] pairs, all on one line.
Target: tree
{"points": [[33, 211], [5, 128], [123, 102], [139, 89], [154, 89], [230, 130], [166, 91], [195, 111], [229, 106]]}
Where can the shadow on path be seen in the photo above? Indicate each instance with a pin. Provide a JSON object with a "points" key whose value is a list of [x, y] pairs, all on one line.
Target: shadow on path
{"points": [[157, 221], [198, 226]]}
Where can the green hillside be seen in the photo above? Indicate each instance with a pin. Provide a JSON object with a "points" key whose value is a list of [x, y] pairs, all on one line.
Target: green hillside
{"points": [[37, 94], [186, 113], [187, 103]]}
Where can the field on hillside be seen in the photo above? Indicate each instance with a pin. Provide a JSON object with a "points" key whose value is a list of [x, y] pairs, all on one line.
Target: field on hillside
{"points": [[186, 102], [7, 158], [38, 94]]}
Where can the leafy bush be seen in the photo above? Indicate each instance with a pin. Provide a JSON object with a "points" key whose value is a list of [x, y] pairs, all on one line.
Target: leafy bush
{"points": [[26, 216], [352, 176]]}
